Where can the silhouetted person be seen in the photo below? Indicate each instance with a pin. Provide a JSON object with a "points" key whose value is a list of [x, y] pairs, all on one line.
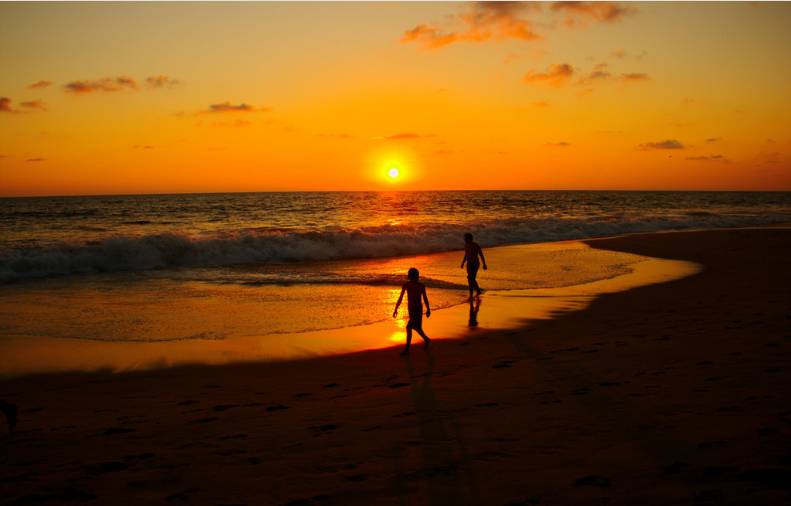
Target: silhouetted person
{"points": [[416, 294], [10, 412], [471, 253], [474, 308]]}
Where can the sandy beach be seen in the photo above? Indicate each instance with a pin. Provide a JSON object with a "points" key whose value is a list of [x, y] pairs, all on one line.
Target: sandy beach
{"points": [[673, 393]]}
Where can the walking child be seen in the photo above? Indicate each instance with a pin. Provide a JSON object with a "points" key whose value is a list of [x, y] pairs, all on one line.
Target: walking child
{"points": [[472, 251], [416, 295]]}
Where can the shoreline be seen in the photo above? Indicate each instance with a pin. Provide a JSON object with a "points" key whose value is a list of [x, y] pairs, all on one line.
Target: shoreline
{"points": [[500, 309], [667, 393]]}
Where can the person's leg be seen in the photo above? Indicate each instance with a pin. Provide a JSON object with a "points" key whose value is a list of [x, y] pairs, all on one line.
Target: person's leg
{"points": [[472, 273], [408, 338], [426, 339]]}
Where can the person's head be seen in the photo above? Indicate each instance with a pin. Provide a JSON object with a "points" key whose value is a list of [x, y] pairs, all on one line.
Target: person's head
{"points": [[413, 274], [468, 237]]}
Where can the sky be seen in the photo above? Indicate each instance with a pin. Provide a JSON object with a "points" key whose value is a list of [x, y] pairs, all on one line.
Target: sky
{"points": [[118, 98]]}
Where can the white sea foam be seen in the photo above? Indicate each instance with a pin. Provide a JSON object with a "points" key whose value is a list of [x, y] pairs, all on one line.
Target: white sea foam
{"points": [[256, 246]]}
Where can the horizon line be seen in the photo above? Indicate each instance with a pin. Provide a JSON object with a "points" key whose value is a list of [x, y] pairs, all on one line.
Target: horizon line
{"points": [[239, 192]]}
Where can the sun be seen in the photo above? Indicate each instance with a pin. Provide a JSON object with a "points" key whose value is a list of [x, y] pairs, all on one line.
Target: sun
{"points": [[393, 172]]}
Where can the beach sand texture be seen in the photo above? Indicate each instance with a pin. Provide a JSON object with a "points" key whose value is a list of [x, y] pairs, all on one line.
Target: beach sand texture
{"points": [[672, 393]]}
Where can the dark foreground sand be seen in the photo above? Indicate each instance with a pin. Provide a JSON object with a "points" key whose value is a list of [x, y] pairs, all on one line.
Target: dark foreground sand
{"points": [[667, 394]]}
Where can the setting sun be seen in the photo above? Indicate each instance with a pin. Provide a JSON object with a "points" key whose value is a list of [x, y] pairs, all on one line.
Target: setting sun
{"points": [[393, 173]]}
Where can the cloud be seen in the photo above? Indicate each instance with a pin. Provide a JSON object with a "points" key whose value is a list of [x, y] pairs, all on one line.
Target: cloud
{"points": [[36, 160], [34, 104], [482, 21], [407, 136], [108, 84], [161, 81], [6, 106], [598, 73], [497, 21], [142, 146], [714, 139], [632, 77], [227, 107], [39, 85], [557, 74], [622, 54], [582, 13], [541, 104], [561, 144], [708, 158], [666, 144]]}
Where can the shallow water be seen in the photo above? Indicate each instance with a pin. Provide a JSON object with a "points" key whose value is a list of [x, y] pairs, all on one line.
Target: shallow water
{"points": [[123, 322]]}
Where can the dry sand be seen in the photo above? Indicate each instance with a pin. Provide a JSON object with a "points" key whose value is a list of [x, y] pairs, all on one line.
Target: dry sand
{"points": [[676, 393]]}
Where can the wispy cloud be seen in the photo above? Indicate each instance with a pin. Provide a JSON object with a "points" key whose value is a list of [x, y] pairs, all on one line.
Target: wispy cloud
{"points": [[541, 104], [708, 158], [713, 139], [34, 104], [600, 72], [142, 146], [162, 81], [39, 85], [561, 144], [107, 84], [666, 144], [36, 160], [622, 54], [480, 22], [497, 21], [632, 77], [227, 107], [6, 106], [582, 13], [557, 74]]}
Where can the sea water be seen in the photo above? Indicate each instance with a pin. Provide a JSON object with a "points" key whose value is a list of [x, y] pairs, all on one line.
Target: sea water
{"points": [[128, 281]]}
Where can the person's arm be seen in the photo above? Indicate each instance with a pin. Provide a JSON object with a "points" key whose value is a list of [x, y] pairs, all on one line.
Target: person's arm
{"points": [[480, 252], [400, 298], [425, 299], [463, 260]]}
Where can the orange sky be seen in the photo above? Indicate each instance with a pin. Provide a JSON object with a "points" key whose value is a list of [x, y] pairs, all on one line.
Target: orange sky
{"points": [[180, 97]]}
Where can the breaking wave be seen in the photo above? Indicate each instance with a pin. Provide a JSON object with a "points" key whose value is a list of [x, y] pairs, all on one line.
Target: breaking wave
{"points": [[266, 245]]}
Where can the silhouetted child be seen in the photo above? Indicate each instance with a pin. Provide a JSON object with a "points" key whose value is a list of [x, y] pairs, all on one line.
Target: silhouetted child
{"points": [[415, 291], [471, 253]]}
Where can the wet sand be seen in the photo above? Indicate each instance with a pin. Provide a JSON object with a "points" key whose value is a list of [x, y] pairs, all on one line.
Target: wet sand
{"points": [[674, 393]]}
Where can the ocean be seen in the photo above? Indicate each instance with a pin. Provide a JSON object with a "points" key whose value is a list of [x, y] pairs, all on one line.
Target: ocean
{"points": [[270, 266]]}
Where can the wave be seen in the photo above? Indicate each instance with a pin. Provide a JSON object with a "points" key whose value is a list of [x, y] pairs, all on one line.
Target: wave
{"points": [[267, 245]]}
